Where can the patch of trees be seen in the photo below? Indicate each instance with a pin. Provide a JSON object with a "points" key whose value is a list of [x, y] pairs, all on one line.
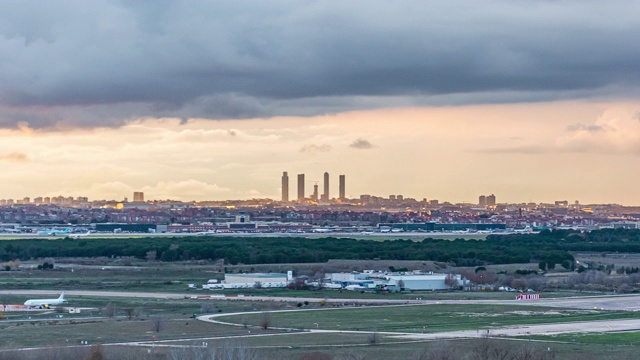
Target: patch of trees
{"points": [[45, 266], [547, 248]]}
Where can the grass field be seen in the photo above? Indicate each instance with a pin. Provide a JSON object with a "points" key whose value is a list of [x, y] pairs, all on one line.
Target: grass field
{"points": [[623, 338], [429, 318], [94, 324], [179, 328]]}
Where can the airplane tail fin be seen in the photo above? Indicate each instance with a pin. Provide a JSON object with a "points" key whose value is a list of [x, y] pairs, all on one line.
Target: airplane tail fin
{"points": [[61, 296]]}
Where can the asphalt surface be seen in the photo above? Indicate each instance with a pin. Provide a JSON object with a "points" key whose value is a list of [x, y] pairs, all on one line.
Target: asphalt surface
{"points": [[608, 302]]}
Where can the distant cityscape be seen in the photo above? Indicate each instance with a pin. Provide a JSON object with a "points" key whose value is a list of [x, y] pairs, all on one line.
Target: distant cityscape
{"points": [[318, 212]]}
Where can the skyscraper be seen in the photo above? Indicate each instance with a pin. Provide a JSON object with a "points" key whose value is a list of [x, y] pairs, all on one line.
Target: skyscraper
{"points": [[314, 197], [342, 187], [491, 200], [300, 187], [482, 200], [285, 187], [325, 195], [138, 196]]}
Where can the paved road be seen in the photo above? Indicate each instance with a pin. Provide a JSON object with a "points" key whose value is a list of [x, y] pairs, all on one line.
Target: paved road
{"points": [[609, 302]]}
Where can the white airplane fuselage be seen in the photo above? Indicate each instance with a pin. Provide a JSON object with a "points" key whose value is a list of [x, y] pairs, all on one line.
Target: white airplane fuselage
{"points": [[45, 303]]}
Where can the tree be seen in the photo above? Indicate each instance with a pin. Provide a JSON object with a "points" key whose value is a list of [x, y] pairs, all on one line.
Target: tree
{"points": [[151, 255], [130, 312], [451, 281], [157, 324], [265, 320], [109, 310], [96, 353], [373, 338], [401, 284], [207, 307], [315, 356], [546, 265], [440, 350]]}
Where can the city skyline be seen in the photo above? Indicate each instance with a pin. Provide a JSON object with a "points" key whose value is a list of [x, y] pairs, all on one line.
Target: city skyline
{"points": [[95, 102]]}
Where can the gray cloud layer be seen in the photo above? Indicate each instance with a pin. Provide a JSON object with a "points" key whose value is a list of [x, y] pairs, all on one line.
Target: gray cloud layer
{"points": [[102, 63]]}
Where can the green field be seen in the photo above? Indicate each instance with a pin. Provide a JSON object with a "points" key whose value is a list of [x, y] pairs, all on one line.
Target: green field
{"points": [[623, 338], [429, 318]]}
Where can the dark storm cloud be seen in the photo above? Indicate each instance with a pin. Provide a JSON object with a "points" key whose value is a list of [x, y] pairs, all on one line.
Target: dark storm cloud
{"points": [[103, 63]]}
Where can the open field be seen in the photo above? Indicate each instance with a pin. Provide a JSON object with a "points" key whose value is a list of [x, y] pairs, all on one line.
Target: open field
{"points": [[427, 318], [151, 290], [97, 325], [622, 338], [180, 328]]}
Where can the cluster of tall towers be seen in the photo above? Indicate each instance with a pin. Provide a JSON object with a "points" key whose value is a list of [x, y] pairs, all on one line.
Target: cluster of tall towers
{"points": [[489, 200], [315, 196]]}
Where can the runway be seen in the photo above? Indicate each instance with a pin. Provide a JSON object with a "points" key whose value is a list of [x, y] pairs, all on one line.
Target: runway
{"points": [[605, 302]]}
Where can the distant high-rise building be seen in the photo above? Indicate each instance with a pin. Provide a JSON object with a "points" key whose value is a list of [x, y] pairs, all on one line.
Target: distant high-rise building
{"points": [[482, 200], [300, 187], [342, 187], [399, 197], [491, 200], [285, 187], [392, 197], [325, 195], [315, 192], [138, 196]]}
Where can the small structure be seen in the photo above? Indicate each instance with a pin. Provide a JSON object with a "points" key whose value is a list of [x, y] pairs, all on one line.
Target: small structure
{"points": [[528, 297]]}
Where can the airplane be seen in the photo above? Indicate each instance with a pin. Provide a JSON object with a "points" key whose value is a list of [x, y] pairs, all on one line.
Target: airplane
{"points": [[75, 236], [207, 232], [45, 303], [527, 229], [54, 232]]}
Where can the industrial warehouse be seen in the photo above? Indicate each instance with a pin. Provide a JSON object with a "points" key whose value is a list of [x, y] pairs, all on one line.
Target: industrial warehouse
{"points": [[368, 280]]}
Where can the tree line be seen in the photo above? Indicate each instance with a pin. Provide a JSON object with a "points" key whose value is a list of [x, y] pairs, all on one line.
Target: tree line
{"points": [[552, 247]]}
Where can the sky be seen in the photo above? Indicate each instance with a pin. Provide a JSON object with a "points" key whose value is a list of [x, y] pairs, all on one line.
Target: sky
{"points": [[211, 100]]}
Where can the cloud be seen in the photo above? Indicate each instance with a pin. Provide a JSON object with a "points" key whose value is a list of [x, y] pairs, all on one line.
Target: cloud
{"points": [[361, 144], [615, 131], [106, 63], [516, 150], [583, 127], [312, 148], [14, 157]]}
